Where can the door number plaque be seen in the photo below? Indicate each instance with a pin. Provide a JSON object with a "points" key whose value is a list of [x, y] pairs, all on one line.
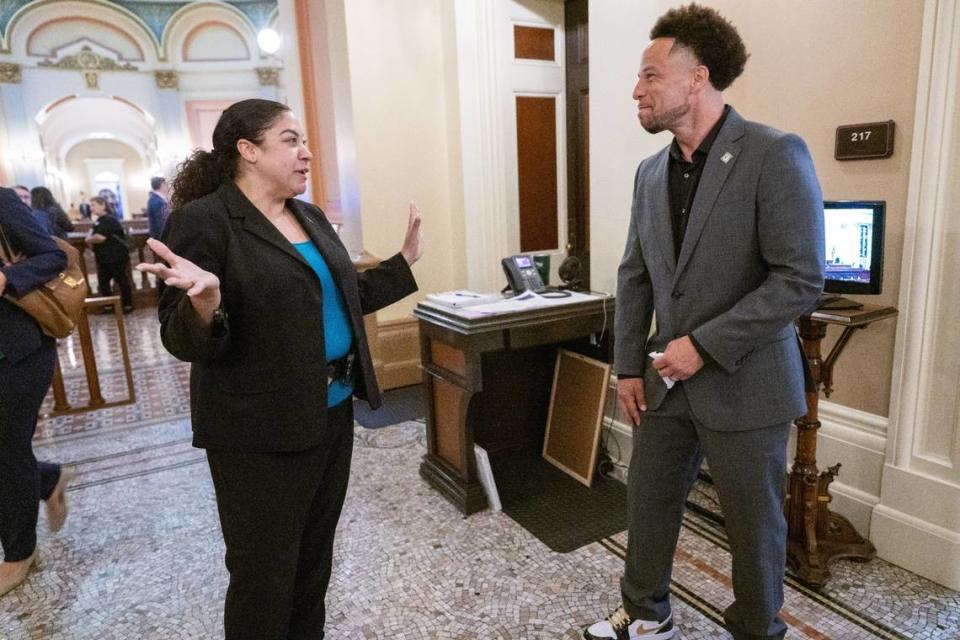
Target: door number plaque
{"points": [[864, 141]]}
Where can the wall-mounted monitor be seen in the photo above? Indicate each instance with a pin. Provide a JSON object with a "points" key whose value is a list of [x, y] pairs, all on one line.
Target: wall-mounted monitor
{"points": [[854, 246]]}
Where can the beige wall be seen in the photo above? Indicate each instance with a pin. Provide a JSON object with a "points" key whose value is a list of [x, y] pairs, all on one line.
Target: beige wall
{"points": [[814, 65], [400, 82], [137, 182]]}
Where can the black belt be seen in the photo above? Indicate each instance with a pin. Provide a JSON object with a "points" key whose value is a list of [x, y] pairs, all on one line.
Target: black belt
{"points": [[341, 369]]}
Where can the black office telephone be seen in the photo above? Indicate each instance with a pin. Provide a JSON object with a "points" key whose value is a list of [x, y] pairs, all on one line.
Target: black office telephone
{"points": [[522, 274]]}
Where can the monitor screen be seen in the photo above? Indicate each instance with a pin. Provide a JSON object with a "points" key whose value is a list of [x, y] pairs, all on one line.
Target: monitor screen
{"points": [[853, 231]]}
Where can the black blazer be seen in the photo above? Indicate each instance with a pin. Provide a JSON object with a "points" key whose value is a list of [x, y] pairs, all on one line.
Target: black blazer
{"points": [[20, 335], [261, 384]]}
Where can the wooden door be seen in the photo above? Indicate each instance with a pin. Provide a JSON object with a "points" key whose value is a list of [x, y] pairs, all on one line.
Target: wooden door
{"points": [[578, 136]]}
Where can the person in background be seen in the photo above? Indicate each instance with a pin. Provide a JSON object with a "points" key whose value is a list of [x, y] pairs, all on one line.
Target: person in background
{"points": [[27, 360], [84, 207], [262, 298], [24, 194], [41, 216], [73, 213], [58, 221], [113, 200], [108, 240], [725, 247], [158, 205]]}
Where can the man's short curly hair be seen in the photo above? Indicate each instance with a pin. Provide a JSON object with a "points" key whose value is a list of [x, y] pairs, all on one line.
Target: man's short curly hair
{"points": [[713, 40]]}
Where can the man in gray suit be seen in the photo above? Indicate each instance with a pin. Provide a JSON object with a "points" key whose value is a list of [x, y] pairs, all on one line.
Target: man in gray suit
{"points": [[725, 245]]}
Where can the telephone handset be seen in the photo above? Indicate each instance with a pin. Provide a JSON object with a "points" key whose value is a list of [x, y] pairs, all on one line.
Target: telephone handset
{"points": [[522, 274]]}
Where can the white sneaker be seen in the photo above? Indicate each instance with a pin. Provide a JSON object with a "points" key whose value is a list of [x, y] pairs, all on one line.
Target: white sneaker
{"points": [[620, 626]]}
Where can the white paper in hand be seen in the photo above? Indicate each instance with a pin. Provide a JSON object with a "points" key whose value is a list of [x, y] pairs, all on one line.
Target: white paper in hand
{"points": [[667, 380]]}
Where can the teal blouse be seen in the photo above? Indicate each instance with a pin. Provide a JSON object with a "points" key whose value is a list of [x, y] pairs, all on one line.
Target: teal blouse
{"points": [[337, 334]]}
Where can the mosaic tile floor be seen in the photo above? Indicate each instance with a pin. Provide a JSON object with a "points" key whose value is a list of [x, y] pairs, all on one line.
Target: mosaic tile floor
{"points": [[141, 556]]}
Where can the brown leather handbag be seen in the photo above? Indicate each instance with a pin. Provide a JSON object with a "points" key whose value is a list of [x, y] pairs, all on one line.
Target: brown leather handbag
{"points": [[57, 305]]}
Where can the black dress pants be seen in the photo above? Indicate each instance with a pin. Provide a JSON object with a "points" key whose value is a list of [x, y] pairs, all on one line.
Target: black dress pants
{"points": [[116, 271], [278, 513], [23, 480]]}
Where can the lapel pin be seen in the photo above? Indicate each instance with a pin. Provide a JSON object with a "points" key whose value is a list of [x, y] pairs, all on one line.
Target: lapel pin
{"points": [[725, 158]]}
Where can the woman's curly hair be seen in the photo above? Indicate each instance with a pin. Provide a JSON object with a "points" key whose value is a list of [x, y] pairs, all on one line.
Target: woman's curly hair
{"points": [[713, 40], [204, 171]]}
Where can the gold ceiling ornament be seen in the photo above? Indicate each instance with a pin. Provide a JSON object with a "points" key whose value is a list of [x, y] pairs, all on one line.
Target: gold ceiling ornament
{"points": [[87, 60], [10, 73], [92, 78], [167, 79], [269, 76]]}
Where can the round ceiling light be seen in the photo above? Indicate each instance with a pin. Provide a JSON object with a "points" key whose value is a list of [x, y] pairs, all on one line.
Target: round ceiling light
{"points": [[269, 40]]}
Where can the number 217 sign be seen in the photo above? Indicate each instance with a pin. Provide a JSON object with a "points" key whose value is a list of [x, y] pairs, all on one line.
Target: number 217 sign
{"points": [[864, 141]]}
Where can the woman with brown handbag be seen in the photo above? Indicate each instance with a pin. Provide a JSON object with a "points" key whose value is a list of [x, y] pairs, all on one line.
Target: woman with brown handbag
{"points": [[27, 358]]}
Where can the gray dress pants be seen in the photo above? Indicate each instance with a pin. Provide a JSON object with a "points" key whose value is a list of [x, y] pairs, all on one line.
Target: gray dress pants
{"points": [[749, 469]]}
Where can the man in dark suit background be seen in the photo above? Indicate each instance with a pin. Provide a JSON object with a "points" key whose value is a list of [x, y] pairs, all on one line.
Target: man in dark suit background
{"points": [[84, 207], [158, 206], [725, 245]]}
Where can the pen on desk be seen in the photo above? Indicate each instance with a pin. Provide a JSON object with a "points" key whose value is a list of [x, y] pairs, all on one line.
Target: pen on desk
{"points": [[465, 295]]}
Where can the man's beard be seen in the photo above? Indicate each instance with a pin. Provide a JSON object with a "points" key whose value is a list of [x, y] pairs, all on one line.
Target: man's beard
{"points": [[666, 121]]}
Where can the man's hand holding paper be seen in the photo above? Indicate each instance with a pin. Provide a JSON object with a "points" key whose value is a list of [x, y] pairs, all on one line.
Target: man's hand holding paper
{"points": [[679, 361]]}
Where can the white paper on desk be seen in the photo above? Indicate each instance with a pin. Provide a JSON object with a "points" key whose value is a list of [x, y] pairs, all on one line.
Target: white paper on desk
{"points": [[667, 380], [463, 298], [529, 300]]}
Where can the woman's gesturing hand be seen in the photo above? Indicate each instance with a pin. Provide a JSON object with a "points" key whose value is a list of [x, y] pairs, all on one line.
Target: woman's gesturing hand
{"points": [[412, 249], [201, 286]]}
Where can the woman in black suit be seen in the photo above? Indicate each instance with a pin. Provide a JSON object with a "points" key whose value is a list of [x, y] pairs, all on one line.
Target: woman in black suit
{"points": [[27, 359], [261, 296]]}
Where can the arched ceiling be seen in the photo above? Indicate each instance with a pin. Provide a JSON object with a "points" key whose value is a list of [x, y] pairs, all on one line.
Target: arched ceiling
{"points": [[71, 120]]}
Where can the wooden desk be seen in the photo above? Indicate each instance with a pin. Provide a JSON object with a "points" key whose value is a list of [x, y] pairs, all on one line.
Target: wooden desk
{"points": [[815, 534], [95, 398], [488, 382]]}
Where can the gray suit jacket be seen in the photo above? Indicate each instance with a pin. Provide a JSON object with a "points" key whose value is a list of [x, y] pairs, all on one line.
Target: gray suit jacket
{"points": [[751, 262]]}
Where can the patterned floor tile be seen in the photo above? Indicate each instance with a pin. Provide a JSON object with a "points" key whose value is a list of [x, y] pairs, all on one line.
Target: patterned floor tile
{"points": [[141, 555]]}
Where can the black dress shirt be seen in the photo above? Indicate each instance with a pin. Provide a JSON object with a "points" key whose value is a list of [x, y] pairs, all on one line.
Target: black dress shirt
{"points": [[684, 178]]}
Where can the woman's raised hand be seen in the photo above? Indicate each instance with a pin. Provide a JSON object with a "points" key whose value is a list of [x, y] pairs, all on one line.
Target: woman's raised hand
{"points": [[201, 286], [412, 249]]}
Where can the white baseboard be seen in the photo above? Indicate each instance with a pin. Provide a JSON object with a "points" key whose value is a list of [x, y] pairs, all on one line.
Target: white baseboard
{"points": [[857, 440], [917, 545], [917, 524]]}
